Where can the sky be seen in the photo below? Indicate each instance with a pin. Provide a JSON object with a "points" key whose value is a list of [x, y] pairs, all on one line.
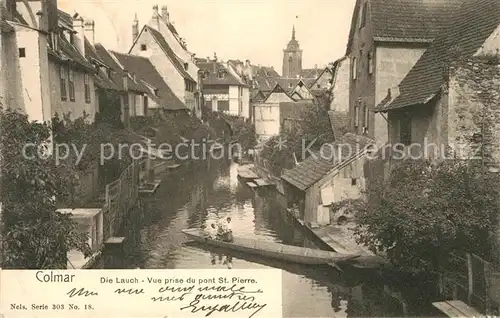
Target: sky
{"points": [[257, 30]]}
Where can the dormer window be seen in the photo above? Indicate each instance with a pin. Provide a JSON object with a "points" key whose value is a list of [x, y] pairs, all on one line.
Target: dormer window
{"points": [[143, 47], [221, 74], [109, 72], [290, 85], [157, 92]]}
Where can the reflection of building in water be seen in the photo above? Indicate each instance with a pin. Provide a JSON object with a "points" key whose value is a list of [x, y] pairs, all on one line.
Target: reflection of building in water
{"points": [[259, 206], [233, 177]]}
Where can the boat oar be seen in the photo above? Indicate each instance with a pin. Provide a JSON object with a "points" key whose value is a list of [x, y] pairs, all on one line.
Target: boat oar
{"points": [[332, 264]]}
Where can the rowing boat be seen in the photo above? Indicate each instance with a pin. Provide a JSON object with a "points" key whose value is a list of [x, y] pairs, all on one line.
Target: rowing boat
{"points": [[289, 253]]}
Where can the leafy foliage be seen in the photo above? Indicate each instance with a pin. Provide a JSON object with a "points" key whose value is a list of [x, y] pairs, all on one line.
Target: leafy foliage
{"points": [[34, 235], [315, 129], [425, 212]]}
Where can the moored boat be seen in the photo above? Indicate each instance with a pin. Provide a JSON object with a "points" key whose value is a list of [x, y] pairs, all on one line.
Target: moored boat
{"points": [[289, 253]]}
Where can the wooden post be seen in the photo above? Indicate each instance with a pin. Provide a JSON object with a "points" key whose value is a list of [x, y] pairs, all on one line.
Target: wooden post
{"points": [[470, 278]]}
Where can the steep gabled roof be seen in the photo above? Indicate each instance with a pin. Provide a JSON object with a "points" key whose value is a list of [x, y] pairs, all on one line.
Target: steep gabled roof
{"points": [[278, 90], [212, 70], [68, 53], [118, 72], [312, 169], [160, 40], [411, 21], [144, 69], [326, 69], [473, 24], [100, 79]]}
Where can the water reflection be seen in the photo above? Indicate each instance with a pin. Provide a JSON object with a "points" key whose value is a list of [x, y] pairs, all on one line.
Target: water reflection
{"points": [[195, 195]]}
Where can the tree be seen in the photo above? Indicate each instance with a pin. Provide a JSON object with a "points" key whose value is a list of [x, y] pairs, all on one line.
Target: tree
{"points": [[34, 235], [423, 213], [314, 129]]}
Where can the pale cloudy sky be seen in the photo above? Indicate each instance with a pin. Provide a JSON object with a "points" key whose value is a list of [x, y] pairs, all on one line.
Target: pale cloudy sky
{"points": [[257, 30]]}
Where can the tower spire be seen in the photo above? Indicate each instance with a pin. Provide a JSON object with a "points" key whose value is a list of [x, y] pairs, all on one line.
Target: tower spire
{"points": [[293, 32]]}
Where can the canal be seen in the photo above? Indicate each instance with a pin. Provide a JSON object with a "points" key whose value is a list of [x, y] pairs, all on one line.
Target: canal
{"points": [[192, 195]]}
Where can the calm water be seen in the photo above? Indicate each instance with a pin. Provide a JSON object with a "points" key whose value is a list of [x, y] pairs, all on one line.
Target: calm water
{"points": [[191, 196]]}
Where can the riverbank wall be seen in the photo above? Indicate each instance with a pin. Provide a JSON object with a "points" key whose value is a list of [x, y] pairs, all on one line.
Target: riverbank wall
{"points": [[103, 223]]}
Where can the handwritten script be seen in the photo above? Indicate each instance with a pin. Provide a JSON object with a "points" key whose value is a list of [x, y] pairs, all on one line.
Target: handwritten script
{"points": [[191, 298]]}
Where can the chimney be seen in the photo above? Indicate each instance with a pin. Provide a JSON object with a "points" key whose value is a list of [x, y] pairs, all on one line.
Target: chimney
{"points": [[135, 28], [315, 66], [214, 66], [89, 30], [215, 56], [156, 17], [165, 15], [79, 37]]}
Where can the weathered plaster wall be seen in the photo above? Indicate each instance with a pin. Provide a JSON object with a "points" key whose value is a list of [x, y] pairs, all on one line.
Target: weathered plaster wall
{"points": [[340, 91], [77, 107]]}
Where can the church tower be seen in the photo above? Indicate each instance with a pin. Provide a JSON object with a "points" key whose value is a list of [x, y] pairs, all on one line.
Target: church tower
{"points": [[292, 58]]}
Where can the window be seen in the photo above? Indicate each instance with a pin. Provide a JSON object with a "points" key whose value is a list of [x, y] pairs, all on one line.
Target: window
{"points": [[370, 63], [143, 47], [157, 92], [221, 75], [62, 77], [108, 72], [354, 69], [405, 129], [290, 85], [290, 68], [362, 17], [356, 116], [354, 181], [71, 38], [186, 65], [318, 85], [366, 116], [86, 85], [145, 105], [71, 85], [22, 52]]}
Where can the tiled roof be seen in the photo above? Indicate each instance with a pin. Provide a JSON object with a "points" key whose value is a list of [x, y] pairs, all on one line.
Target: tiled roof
{"points": [[67, 52], [406, 20], [5, 27], [278, 89], [118, 72], [143, 69], [473, 24], [311, 73], [257, 94], [100, 79], [312, 169], [169, 52], [212, 69], [65, 18]]}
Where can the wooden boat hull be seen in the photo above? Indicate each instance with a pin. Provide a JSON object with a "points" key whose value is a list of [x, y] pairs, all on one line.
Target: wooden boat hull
{"points": [[274, 250]]}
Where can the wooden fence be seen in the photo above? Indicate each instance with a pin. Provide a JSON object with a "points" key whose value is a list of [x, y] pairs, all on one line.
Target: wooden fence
{"points": [[471, 280], [121, 196]]}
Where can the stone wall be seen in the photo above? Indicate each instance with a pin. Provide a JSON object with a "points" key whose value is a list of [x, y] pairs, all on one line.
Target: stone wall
{"points": [[474, 109]]}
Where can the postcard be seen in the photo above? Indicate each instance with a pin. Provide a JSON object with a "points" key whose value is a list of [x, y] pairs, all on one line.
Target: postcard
{"points": [[259, 158]]}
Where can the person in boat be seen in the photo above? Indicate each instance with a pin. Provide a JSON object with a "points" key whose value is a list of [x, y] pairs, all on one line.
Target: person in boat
{"points": [[227, 230], [211, 231]]}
